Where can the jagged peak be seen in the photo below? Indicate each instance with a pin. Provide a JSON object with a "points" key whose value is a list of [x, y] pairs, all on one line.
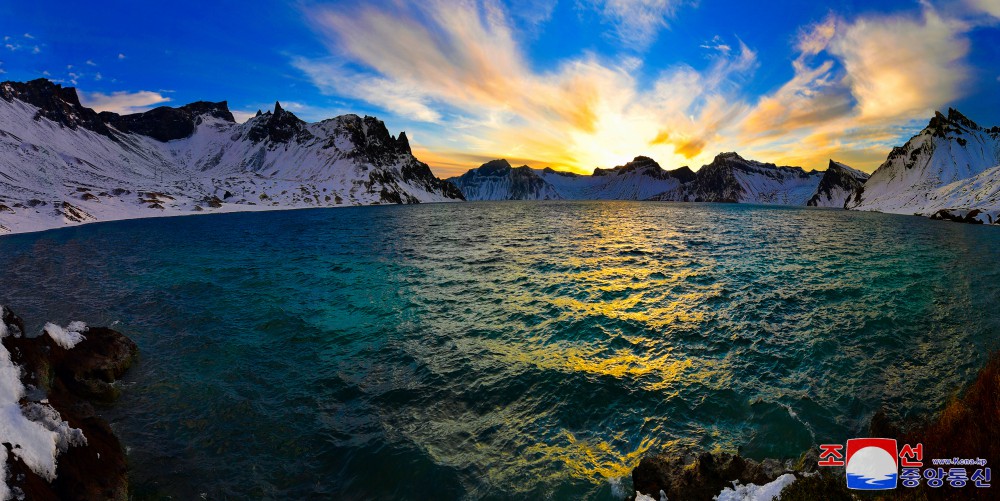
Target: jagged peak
{"points": [[403, 143], [498, 165], [259, 113], [954, 121], [277, 108], [639, 162], [729, 155]]}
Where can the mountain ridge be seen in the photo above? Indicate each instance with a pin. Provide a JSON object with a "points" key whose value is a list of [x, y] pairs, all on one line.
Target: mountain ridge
{"points": [[63, 163]]}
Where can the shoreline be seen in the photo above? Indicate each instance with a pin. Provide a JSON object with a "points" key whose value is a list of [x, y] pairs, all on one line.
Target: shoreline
{"points": [[241, 208]]}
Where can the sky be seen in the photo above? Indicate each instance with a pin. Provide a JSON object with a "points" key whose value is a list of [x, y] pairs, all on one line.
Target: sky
{"points": [[571, 84]]}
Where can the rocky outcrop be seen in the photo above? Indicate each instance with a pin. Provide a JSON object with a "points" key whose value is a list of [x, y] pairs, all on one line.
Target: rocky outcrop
{"points": [[279, 126], [701, 477], [839, 184], [166, 123], [62, 383], [56, 103]]}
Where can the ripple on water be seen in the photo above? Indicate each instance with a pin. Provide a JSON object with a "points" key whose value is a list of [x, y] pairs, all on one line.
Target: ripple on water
{"points": [[507, 350]]}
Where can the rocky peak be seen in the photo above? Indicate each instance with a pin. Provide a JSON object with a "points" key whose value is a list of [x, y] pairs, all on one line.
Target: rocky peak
{"points": [[728, 156], [371, 139], [279, 126], [54, 102], [167, 124], [403, 144], [955, 122], [499, 167], [646, 165], [683, 174], [218, 110]]}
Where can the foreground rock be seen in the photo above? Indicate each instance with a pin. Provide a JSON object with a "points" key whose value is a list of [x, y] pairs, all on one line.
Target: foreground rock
{"points": [[704, 476], [62, 372]]}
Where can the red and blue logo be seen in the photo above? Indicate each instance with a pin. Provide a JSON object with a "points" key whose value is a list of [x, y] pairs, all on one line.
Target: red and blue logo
{"points": [[872, 464]]}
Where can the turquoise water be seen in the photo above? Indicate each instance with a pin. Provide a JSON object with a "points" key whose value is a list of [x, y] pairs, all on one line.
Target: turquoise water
{"points": [[507, 350]]}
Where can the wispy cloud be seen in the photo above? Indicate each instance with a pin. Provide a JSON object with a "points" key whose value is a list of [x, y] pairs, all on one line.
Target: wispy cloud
{"points": [[122, 102], [636, 23], [121, 56]]}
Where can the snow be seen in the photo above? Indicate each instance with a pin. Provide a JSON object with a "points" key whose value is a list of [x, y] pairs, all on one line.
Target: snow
{"points": [[752, 492], [67, 337], [643, 497], [44, 166], [35, 431]]}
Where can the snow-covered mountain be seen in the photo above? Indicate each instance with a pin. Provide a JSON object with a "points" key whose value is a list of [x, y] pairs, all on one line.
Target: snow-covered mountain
{"points": [[62, 163], [637, 180], [497, 180], [949, 170], [732, 178], [839, 182]]}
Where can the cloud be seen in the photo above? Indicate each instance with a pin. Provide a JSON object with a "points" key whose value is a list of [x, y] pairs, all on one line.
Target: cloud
{"points": [[122, 102], [90, 62], [991, 7], [121, 56], [636, 23], [29, 36], [457, 71], [901, 66], [716, 44]]}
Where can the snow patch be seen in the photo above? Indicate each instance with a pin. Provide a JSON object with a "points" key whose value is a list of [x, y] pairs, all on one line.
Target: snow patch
{"points": [[67, 337], [643, 497], [753, 492]]}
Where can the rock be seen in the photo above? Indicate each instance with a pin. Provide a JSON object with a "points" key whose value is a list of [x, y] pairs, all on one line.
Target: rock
{"points": [[71, 378], [701, 477]]}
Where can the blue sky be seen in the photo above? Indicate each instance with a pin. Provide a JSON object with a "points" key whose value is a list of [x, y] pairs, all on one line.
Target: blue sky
{"points": [[575, 84]]}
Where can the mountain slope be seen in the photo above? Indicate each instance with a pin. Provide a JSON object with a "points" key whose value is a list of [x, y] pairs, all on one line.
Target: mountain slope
{"points": [[839, 183], [732, 178], [62, 163], [949, 166]]}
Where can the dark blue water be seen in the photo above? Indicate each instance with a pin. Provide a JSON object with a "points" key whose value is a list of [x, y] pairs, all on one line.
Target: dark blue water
{"points": [[496, 350]]}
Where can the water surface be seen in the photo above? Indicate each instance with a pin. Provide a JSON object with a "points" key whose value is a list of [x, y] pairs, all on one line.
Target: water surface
{"points": [[496, 350]]}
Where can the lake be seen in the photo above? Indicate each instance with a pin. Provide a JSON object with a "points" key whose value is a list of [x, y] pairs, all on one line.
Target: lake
{"points": [[511, 349]]}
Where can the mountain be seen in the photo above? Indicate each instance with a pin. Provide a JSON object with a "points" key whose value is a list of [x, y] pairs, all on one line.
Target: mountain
{"points": [[637, 180], [497, 180], [732, 178], [62, 163], [839, 183], [948, 170]]}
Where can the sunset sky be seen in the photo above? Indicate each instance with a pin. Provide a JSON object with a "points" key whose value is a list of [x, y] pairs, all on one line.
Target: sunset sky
{"points": [[572, 84]]}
